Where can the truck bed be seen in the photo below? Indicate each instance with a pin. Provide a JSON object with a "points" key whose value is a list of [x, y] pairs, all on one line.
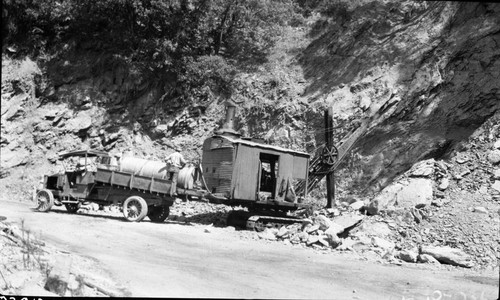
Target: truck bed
{"points": [[142, 183]]}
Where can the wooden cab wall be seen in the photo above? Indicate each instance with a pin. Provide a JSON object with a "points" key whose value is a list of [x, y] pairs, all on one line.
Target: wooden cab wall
{"points": [[217, 165], [235, 167]]}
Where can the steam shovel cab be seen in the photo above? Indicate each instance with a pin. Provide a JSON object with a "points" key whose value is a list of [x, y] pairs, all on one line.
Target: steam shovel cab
{"points": [[246, 172]]}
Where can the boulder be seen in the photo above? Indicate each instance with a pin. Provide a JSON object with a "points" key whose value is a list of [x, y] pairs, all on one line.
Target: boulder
{"points": [[323, 222], [361, 244], [380, 229], [81, 121], [323, 240], [423, 168], [381, 243], [346, 244], [333, 240], [408, 256], [494, 156], [312, 239], [283, 232], [496, 185], [481, 210], [357, 205], [444, 184], [312, 228], [461, 159], [496, 145], [10, 108], [348, 220], [417, 193], [334, 229], [303, 236], [267, 235], [427, 259], [295, 239], [386, 198], [15, 158], [448, 255], [496, 174]]}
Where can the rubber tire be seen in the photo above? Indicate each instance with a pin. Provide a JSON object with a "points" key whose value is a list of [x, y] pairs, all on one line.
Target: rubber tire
{"points": [[49, 200], [72, 208], [158, 214], [139, 204]]}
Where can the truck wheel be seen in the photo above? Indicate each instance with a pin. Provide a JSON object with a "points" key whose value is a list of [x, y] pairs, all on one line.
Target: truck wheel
{"points": [[72, 207], [135, 209], [158, 214], [45, 200]]}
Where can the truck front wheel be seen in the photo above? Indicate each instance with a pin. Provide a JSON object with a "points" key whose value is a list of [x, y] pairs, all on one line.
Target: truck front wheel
{"points": [[44, 199], [135, 209]]}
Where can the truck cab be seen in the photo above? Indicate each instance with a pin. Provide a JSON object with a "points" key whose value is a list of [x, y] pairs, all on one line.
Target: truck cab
{"points": [[74, 182]]}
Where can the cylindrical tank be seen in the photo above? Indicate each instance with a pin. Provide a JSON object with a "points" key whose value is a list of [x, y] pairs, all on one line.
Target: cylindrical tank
{"points": [[144, 167]]}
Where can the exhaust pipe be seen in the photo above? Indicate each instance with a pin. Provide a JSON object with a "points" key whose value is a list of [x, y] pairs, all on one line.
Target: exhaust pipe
{"points": [[228, 126]]}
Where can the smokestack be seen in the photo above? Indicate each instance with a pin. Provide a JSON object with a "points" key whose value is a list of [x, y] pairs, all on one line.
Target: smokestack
{"points": [[228, 126]]}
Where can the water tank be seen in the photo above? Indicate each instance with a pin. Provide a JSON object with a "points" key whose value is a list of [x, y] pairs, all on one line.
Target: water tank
{"points": [[144, 167]]}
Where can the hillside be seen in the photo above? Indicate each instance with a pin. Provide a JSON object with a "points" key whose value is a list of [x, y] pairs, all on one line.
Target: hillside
{"points": [[424, 75]]}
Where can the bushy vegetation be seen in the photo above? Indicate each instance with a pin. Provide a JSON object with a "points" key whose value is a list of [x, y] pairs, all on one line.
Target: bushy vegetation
{"points": [[199, 43]]}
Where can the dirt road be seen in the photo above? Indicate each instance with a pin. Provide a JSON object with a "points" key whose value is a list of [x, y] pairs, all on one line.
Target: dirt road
{"points": [[180, 260]]}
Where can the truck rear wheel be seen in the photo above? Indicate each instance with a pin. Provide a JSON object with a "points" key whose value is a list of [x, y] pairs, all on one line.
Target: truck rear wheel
{"points": [[44, 199], [158, 214], [135, 209]]}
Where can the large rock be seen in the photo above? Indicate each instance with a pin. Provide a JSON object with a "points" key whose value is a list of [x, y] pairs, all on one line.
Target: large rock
{"points": [[417, 193], [15, 158], [334, 229], [312, 240], [480, 209], [348, 220], [496, 175], [423, 168], [496, 185], [448, 255], [267, 235], [381, 243], [81, 121], [386, 198], [444, 184], [11, 107], [380, 229], [408, 256], [427, 259], [332, 234], [323, 222], [357, 205], [494, 156]]}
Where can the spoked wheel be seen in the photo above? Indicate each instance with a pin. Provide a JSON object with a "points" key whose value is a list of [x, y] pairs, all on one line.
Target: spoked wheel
{"points": [[329, 155], [72, 207], [44, 199], [158, 214], [135, 209]]}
